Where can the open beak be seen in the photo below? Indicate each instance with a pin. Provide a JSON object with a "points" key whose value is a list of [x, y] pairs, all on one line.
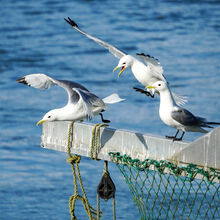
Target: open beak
{"points": [[122, 69], [40, 122], [150, 87]]}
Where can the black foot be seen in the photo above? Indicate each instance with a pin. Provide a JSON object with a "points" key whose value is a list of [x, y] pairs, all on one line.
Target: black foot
{"points": [[104, 120], [143, 92], [177, 139], [174, 138]]}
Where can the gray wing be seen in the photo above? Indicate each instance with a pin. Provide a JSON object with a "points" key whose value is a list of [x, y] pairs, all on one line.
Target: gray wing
{"points": [[42, 81], [89, 101], [91, 98], [115, 51], [185, 117], [154, 65]]}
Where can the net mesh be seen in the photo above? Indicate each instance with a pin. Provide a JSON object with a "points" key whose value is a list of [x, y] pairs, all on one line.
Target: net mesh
{"points": [[163, 190]]}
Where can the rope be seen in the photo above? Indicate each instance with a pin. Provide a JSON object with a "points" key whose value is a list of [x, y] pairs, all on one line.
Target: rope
{"points": [[95, 140], [98, 206], [114, 210], [192, 170], [74, 160], [113, 198]]}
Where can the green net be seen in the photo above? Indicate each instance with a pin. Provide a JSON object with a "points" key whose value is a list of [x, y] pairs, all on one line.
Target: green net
{"points": [[163, 190]]}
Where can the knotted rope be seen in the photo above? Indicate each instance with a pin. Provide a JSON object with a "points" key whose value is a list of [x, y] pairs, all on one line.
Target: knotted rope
{"points": [[74, 160]]}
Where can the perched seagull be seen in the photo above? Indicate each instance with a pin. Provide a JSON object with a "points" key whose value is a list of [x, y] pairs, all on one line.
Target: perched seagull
{"points": [[173, 115], [146, 75], [81, 104]]}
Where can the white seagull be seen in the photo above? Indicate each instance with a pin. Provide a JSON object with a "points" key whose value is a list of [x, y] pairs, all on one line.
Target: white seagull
{"points": [[81, 104], [173, 115], [146, 75]]}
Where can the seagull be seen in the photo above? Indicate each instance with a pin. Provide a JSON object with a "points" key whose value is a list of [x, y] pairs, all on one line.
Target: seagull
{"points": [[177, 117], [81, 104], [145, 74]]}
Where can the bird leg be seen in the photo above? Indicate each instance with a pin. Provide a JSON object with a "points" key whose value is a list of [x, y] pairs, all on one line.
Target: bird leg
{"points": [[104, 120], [143, 92], [179, 139], [173, 137]]}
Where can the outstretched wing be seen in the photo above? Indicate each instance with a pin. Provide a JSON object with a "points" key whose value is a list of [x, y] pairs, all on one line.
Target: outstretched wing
{"points": [[115, 51], [38, 81], [154, 65], [89, 101], [42, 81]]}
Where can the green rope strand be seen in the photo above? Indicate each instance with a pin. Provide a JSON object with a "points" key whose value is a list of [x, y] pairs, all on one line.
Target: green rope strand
{"points": [[162, 166], [95, 140], [74, 160], [98, 206]]}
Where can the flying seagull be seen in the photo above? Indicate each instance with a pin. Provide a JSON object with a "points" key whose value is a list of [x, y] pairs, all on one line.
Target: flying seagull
{"points": [[145, 74], [173, 115], [81, 104]]}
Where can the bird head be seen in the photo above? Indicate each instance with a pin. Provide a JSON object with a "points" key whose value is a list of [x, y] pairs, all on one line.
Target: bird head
{"points": [[124, 62], [49, 116], [158, 86]]}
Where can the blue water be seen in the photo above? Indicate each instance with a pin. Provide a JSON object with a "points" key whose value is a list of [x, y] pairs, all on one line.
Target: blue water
{"points": [[36, 183]]}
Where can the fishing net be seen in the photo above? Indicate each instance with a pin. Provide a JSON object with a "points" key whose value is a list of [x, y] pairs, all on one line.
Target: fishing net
{"points": [[163, 190]]}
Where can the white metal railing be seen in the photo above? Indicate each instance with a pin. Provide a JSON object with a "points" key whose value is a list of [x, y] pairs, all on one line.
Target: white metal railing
{"points": [[205, 151]]}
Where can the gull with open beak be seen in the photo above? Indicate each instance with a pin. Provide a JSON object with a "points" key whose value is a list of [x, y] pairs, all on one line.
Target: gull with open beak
{"points": [[173, 115], [145, 74], [82, 104]]}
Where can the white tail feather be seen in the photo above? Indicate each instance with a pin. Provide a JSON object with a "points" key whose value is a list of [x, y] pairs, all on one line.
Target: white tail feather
{"points": [[179, 99], [113, 98]]}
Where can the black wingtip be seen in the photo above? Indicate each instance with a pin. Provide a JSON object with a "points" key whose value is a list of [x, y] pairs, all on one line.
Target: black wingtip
{"points": [[140, 54], [148, 56], [145, 55], [71, 22], [22, 80]]}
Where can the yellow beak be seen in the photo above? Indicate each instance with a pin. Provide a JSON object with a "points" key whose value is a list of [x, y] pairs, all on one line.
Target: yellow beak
{"points": [[150, 87], [117, 67], [122, 69], [40, 122]]}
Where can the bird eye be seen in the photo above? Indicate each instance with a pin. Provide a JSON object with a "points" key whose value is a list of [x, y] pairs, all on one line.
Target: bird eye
{"points": [[159, 84], [49, 116], [123, 63]]}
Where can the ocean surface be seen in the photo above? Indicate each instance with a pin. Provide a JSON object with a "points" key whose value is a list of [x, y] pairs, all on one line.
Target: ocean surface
{"points": [[36, 183]]}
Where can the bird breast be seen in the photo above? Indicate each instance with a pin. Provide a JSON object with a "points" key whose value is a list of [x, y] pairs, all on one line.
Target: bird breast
{"points": [[165, 115], [142, 73]]}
